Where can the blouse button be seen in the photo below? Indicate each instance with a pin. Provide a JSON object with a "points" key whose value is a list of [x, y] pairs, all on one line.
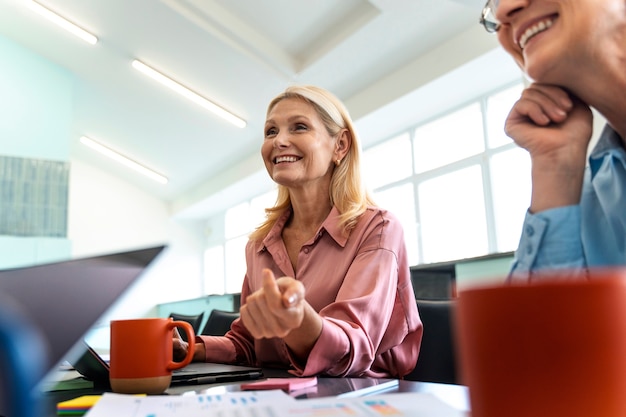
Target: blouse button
{"points": [[530, 230], [306, 250]]}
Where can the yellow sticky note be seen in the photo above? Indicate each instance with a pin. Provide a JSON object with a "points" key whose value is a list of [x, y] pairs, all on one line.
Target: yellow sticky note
{"points": [[77, 406]]}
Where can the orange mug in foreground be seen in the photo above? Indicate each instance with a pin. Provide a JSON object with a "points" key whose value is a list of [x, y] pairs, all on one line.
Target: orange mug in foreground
{"points": [[141, 360], [550, 348]]}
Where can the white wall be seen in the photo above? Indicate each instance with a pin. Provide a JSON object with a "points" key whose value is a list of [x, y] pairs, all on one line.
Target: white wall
{"points": [[108, 215]]}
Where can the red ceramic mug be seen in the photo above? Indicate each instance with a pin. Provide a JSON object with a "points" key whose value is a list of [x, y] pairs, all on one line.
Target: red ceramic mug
{"points": [[551, 348], [141, 360]]}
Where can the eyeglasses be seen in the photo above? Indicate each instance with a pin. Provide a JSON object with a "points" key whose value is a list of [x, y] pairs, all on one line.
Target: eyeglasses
{"points": [[488, 16]]}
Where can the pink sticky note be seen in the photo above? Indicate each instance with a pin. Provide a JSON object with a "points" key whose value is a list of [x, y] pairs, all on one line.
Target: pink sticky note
{"points": [[286, 384]]}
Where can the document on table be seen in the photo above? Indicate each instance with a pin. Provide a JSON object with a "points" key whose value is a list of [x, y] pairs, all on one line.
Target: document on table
{"points": [[272, 404], [121, 405]]}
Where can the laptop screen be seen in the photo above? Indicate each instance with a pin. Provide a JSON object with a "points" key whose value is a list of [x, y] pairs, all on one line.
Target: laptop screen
{"points": [[64, 299]]}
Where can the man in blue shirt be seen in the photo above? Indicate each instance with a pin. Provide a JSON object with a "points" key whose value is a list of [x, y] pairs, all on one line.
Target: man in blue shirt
{"points": [[591, 233], [574, 53]]}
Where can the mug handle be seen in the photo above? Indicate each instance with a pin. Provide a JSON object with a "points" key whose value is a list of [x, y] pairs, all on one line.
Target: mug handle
{"points": [[190, 336]]}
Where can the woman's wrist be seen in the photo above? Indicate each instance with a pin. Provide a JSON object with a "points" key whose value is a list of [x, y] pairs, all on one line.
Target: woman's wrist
{"points": [[199, 352]]}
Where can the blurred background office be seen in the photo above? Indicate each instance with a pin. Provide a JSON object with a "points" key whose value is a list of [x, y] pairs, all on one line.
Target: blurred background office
{"points": [[428, 90]]}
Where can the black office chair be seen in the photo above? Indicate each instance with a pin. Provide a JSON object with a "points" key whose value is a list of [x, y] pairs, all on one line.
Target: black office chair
{"points": [[194, 319], [219, 322], [436, 361]]}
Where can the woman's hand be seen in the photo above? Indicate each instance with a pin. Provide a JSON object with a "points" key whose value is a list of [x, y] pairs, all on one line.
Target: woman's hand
{"points": [[280, 310], [555, 127], [180, 347], [276, 309]]}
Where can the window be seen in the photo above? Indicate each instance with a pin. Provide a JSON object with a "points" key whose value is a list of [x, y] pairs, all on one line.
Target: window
{"points": [[449, 138], [511, 195], [402, 199], [237, 221], [214, 270], [498, 107], [469, 187], [392, 159], [452, 216], [225, 262], [235, 263]]}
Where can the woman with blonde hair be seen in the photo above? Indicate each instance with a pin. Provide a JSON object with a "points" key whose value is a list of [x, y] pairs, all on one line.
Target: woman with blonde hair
{"points": [[327, 289]]}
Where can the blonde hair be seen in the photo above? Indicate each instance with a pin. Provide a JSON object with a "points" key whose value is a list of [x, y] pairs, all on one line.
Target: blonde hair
{"points": [[347, 190]]}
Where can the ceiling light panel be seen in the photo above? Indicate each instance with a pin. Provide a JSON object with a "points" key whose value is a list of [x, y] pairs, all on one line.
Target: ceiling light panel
{"points": [[62, 22], [124, 160], [189, 94]]}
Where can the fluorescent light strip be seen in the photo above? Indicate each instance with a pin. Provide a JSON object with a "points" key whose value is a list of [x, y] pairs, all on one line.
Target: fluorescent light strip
{"points": [[122, 159], [187, 93], [64, 23]]}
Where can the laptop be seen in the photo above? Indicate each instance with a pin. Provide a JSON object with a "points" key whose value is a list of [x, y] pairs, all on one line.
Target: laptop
{"points": [[95, 368], [64, 299]]}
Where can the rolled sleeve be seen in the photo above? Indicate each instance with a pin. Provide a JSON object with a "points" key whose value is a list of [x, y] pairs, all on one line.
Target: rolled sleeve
{"points": [[218, 349], [236, 347], [550, 240], [320, 356]]}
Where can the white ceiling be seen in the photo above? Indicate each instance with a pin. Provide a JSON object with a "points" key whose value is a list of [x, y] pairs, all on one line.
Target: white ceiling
{"points": [[384, 58]]}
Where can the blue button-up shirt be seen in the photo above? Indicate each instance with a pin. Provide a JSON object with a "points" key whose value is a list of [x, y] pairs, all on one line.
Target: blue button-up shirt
{"points": [[590, 234]]}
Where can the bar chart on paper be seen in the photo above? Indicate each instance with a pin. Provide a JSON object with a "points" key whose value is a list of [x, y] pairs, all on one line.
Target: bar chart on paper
{"points": [[272, 404], [120, 405]]}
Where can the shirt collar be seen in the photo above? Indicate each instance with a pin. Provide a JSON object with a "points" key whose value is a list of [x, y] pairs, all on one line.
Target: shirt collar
{"points": [[330, 225], [609, 139]]}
